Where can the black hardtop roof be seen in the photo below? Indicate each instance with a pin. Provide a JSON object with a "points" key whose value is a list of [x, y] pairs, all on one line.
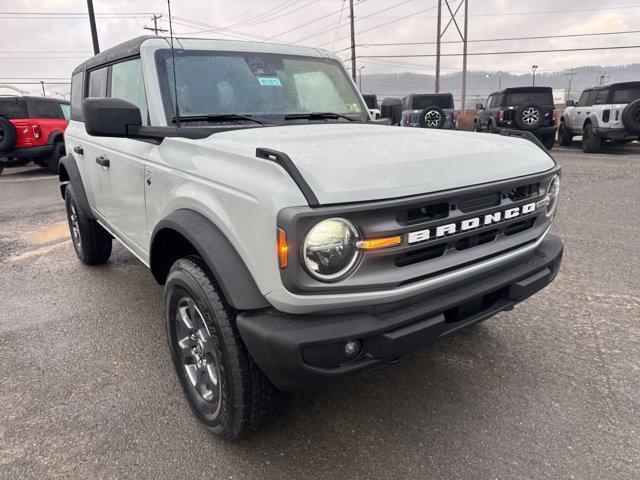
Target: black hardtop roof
{"points": [[614, 85], [31, 97], [130, 48], [526, 89], [429, 94]]}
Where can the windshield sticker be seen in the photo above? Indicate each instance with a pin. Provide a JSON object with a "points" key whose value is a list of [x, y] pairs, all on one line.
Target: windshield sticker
{"points": [[269, 81], [353, 107]]}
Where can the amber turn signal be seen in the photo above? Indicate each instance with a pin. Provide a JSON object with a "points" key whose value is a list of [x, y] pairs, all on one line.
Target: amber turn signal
{"points": [[376, 243], [282, 248]]}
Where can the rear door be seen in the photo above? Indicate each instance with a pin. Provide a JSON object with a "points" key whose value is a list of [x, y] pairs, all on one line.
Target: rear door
{"points": [[47, 117]]}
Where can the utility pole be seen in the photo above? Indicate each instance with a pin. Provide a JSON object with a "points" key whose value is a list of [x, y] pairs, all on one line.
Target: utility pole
{"points": [[438, 46], [44, 94], [464, 57], [570, 74], [533, 72], [353, 41], [94, 31], [463, 32], [360, 77], [155, 29]]}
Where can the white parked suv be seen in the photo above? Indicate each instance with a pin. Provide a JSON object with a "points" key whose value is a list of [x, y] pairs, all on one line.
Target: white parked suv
{"points": [[604, 114], [297, 239]]}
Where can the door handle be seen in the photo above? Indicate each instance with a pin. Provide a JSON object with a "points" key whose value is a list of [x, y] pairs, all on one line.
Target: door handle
{"points": [[148, 176], [78, 149], [103, 161]]}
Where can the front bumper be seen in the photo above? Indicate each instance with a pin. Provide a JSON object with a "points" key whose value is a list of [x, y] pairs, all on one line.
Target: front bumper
{"points": [[298, 352]]}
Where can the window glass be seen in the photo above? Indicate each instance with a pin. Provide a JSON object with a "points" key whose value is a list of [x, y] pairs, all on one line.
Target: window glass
{"points": [[423, 101], [77, 95], [127, 84], [489, 102], [601, 97], [497, 101], [591, 98], [626, 95], [522, 98], [371, 101], [583, 99], [255, 83], [98, 83], [13, 108], [66, 110], [45, 109]]}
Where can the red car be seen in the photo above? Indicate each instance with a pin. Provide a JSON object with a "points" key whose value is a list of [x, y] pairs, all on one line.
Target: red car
{"points": [[31, 129]]}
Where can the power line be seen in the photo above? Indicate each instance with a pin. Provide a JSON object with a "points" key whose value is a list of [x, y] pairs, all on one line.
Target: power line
{"points": [[338, 25], [588, 49]]}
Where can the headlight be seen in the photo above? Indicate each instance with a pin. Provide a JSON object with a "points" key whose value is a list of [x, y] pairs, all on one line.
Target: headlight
{"points": [[329, 249], [553, 192]]}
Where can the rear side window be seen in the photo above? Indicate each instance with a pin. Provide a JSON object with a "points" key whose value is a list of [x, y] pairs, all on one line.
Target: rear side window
{"points": [[626, 95], [127, 84], [13, 108], [45, 109], [98, 83], [423, 101], [77, 94], [522, 98], [583, 98], [66, 110]]}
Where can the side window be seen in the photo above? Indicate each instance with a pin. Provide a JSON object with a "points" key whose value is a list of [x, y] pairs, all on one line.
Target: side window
{"points": [[45, 109], [77, 93], [601, 97], [98, 83], [66, 110], [127, 84], [497, 101], [591, 98], [583, 98], [489, 102]]}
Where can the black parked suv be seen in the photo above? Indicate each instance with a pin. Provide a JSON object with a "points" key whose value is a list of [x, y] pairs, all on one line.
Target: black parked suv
{"points": [[524, 108]]}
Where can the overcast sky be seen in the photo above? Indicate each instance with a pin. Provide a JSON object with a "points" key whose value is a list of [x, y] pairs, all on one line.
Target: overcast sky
{"points": [[35, 47]]}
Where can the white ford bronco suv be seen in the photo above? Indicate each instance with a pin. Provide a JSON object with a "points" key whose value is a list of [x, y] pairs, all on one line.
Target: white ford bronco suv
{"points": [[604, 114], [297, 240]]}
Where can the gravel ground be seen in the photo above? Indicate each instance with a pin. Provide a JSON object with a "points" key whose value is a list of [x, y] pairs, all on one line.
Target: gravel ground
{"points": [[549, 390]]}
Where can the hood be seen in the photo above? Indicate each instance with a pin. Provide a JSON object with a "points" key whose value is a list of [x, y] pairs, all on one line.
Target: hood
{"points": [[345, 163]]}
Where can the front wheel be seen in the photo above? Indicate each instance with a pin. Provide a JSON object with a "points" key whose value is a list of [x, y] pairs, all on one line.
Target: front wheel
{"points": [[565, 138], [225, 389], [92, 242], [590, 141]]}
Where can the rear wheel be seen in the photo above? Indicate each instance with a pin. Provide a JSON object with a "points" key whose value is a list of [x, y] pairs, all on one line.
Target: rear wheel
{"points": [[53, 162], [565, 138], [225, 389], [92, 242], [590, 141], [549, 141]]}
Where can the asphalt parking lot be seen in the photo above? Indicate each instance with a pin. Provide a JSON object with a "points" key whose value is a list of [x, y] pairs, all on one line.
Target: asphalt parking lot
{"points": [[549, 390]]}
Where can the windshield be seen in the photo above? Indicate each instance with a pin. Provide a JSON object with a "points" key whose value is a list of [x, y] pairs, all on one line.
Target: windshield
{"points": [[626, 95], [522, 98], [257, 84], [420, 102]]}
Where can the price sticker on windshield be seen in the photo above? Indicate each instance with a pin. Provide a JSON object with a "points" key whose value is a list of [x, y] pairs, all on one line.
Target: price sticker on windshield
{"points": [[269, 81]]}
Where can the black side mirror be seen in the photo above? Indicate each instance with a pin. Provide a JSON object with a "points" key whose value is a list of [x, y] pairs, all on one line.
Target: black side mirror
{"points": [[570, 103], [479, 106], [109, 117]]}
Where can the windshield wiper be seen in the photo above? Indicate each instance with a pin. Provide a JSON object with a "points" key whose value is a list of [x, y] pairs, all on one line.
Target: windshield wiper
{"points": [[316, 116], [219, 117]]}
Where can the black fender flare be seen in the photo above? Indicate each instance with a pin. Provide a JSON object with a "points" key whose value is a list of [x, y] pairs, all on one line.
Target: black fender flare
{"points": [[69, 173], [566, 119], [226, 265], [53, 135], [592, 119]]}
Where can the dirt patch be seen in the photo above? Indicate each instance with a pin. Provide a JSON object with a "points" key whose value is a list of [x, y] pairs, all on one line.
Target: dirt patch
{"points": [[52, 233]]}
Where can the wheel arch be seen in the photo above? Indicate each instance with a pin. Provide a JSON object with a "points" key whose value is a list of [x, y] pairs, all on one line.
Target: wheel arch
{"points": [[592, 119], [187, 232], [55, 137], [68, 173]]}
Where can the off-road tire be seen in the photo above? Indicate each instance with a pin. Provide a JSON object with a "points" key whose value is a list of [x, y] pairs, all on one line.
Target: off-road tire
{"points": [[565, 137], [476, 126], [590, 141], [91, 242], [7, 134], [548, 141], [631, 116], [245, 397], [53, 161], [522, 111], [436, 122]]}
